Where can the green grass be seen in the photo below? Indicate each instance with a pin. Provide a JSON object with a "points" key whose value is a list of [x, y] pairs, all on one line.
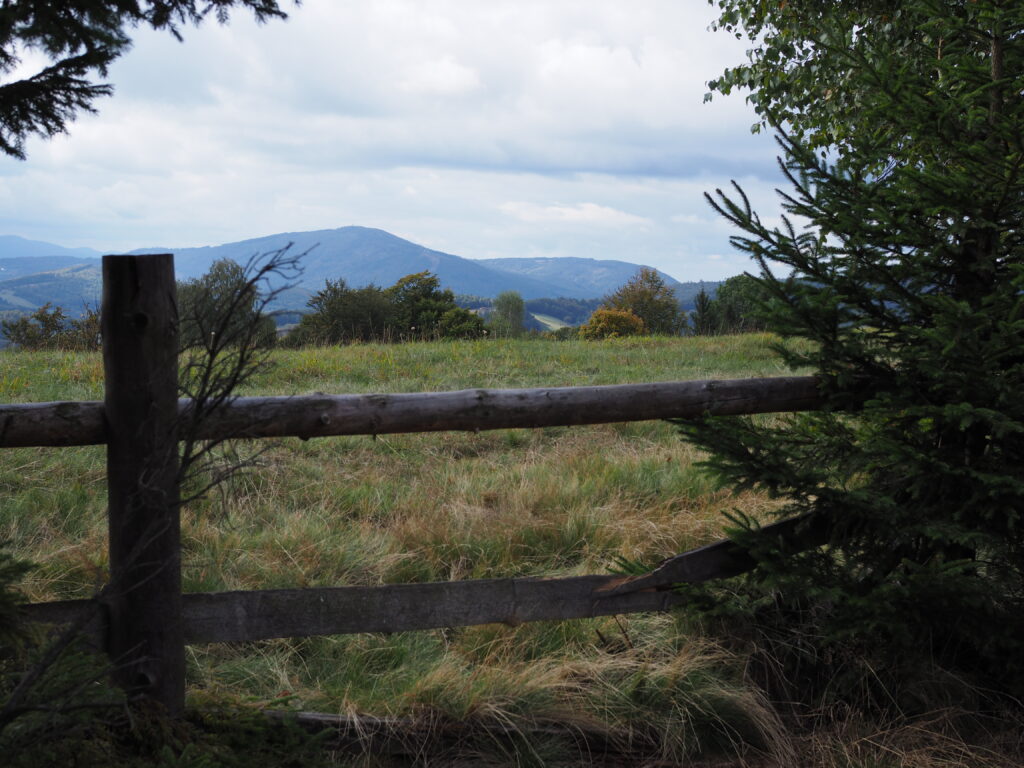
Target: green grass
{"points": [[440, 506]]}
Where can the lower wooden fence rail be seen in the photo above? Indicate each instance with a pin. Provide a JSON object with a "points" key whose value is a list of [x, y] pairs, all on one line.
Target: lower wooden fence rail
{"points": [[143, 620], [231, 617]]}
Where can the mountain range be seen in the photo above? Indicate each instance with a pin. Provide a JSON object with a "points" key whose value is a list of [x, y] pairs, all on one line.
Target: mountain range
{"points": [[34, 272]]}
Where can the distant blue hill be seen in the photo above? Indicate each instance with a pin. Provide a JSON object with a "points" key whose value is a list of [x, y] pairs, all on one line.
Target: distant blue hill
{"points": [[14, 247], [359, 255], [23, 266]]}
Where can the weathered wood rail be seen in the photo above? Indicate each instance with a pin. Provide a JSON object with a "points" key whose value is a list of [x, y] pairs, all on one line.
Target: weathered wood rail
{"points": [[144, 621], [84, 423]]}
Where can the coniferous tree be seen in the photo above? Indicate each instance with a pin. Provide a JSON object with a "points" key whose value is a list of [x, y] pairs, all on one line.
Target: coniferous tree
{"points": [[702, 320], [736, 307], [905, 289]]}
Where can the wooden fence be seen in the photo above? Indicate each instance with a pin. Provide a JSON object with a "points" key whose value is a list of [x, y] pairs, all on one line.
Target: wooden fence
{"points": [[143, 620]]}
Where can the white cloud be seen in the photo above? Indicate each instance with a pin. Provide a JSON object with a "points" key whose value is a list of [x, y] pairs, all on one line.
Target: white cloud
{"points": [[581, 213], [443, 77]]}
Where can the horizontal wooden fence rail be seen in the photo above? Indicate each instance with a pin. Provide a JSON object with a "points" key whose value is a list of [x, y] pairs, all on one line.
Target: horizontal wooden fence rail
{"points": [[222, 617], [233, 617], [306, 416]]}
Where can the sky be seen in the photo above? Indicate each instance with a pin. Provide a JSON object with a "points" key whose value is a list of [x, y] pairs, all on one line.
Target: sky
{"points": [[484, 129]]}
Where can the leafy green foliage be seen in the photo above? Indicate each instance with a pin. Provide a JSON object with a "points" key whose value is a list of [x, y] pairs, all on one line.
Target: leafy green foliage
{"points": [[648, 297], [222, 302], [413, 308], [49, 328], [507, 315], [797, 72], [80, 39], [908, 281], [419, 304], [458, 323], [342, 314]]}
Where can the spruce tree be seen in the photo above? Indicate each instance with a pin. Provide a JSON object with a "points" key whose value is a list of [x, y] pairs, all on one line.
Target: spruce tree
{"points": [[897, 278]]}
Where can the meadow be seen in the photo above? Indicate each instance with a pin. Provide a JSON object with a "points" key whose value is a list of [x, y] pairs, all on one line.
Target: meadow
{"points": [[442, 506]]}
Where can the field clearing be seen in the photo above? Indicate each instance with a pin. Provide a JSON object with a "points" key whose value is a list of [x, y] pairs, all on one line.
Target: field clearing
{"points": [[441, 506]]}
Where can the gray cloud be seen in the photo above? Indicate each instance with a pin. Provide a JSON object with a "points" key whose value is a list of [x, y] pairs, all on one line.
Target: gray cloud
{"points": [[485, 129]]}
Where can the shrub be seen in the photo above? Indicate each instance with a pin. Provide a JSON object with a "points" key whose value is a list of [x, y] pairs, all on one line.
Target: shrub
{"points": [[459, 323], [608, 323]]}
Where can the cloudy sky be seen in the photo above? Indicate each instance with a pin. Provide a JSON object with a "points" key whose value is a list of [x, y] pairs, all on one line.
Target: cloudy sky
{"points": [[483, 129]]}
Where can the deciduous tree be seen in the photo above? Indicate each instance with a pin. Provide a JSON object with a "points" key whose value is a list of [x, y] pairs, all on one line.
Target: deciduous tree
{"points": [[203, 301], [340, 314], [648, 297], [507, 314], [50, 328], [415, 307]]}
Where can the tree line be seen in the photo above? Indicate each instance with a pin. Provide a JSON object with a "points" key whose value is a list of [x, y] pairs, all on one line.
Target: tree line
{"points": [[416, 308], [647, 305]]}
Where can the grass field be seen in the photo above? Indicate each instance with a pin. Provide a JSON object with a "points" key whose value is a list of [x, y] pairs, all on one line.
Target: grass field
{"points": [[413, 508]]}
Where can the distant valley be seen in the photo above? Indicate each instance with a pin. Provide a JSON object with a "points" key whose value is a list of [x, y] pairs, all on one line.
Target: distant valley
{"points": [[33, 272]]}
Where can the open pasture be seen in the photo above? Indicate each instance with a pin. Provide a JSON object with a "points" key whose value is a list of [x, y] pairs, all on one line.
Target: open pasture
{"points": [[442, 506]]}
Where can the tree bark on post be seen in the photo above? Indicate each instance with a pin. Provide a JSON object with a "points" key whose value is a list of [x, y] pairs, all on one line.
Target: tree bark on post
{"points": [[140, 360]]}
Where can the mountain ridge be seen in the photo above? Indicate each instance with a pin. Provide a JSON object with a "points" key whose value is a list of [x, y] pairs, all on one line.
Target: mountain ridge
{"points": [[358, 255]]}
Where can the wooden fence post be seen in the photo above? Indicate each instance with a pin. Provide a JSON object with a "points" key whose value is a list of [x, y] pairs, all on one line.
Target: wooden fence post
{"points": [[140, 362]]}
